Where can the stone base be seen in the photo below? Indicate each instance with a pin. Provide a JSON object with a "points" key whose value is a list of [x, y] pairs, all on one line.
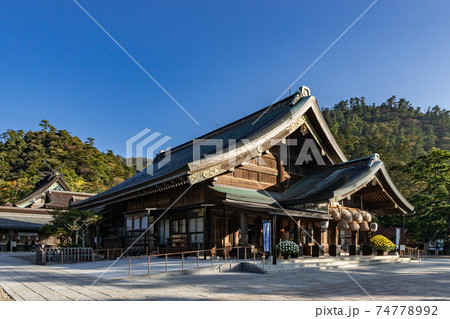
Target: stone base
{"points": [[382, 252], [300, 251], [367, 250], [317, 251], [334, 250]]}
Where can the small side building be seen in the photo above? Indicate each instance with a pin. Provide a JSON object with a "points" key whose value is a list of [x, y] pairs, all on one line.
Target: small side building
{"points": [[21, 223]]}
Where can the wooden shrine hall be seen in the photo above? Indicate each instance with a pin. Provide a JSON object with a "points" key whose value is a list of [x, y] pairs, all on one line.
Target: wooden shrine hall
{"points": [[279, 175]]}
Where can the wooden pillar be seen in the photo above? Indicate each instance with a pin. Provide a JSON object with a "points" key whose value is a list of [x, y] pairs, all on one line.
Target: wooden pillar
{"points": [[97, 235], [317, 250], [354, 244], [235, 229], [274, 239], [207, 229], [298, 236], [258, 232], [297, 232], [223, 228], [280, 177], [366, 249], [355, 236], [334, 233], [244, 229], [334, 238], [317, 234]]}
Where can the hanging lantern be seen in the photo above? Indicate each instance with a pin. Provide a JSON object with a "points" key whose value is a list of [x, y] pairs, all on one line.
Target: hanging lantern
{"points": [[373, 227], [324, 224]]}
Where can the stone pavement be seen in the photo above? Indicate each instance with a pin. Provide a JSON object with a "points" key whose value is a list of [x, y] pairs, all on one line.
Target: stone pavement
{"points": [[428, 280]]}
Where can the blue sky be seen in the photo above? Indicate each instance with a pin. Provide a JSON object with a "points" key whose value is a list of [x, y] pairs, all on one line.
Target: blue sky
{"points": [[220, 59]]}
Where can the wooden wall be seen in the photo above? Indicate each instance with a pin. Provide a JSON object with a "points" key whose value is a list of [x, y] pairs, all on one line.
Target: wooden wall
{"points": [[269, 171], [195, 196]]}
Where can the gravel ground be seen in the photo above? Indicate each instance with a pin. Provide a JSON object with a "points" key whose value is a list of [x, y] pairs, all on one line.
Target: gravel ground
{"points": [[4, 296]]}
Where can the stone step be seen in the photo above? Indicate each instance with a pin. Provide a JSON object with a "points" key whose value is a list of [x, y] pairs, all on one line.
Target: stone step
{"points": [[326, 265], [337, 258]]}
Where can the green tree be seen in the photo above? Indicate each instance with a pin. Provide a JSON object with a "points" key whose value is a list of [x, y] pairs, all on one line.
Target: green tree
{"points": [[86, 169], [71, 226], [13, 191], [431, 178]]}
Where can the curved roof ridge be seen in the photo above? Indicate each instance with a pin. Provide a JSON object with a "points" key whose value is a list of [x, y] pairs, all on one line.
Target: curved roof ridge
{"points": [[246, 119]]}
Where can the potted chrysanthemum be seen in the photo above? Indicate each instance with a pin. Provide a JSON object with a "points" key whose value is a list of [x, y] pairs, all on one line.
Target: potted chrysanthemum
{"points": [[382, 245], [287, 248]]}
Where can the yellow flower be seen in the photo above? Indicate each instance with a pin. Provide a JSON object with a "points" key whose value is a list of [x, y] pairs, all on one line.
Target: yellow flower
{"points": [[382, 243]]}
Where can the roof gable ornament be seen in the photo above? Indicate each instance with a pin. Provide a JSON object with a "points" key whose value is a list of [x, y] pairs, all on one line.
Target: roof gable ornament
{"points": [[302, 92], [374, 158]]}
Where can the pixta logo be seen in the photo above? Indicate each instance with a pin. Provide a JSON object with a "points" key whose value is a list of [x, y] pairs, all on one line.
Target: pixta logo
{"points": [[141, 149], [211, 151]]}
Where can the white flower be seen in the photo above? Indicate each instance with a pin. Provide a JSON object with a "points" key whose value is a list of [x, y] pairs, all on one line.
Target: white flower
{"points": [[287, 247]]}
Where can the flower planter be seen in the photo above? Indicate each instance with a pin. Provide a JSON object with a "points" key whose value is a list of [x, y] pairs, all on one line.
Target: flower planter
{"points": [[382, 252], [287, 248], [382, 245]]}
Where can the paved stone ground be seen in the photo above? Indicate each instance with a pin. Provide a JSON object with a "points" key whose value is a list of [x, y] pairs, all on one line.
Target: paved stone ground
{"points": [[428, 280]]}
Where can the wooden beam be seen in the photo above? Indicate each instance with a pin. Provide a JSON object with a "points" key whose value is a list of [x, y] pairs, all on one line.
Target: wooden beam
{"points": [[368, 190], [242, 182], [376, 206], [259, 169]]}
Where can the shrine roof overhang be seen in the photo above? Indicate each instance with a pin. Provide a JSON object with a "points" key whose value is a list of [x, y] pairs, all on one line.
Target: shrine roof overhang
{"points": [[23, 221], [275, 210], [244, 195], [365, 177], [261, 128]]}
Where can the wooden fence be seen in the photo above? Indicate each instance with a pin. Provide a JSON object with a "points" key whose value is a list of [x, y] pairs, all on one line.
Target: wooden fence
{"points": [[46, 255]]}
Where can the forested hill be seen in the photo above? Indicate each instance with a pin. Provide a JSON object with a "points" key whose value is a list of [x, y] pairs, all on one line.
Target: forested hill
{"points": [[395, 129], [85, 168]]}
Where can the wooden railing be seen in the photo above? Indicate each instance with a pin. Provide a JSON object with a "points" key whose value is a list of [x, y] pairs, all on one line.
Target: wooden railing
{"points": [[240, 255], [109, 253], [412, 252], [46, 255]]}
